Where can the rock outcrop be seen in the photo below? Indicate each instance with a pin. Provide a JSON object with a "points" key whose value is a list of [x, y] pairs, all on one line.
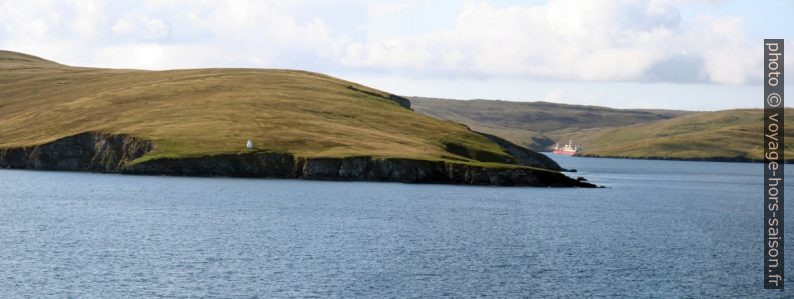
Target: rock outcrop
{"points": [[283, 165], [86, 152], [523, 155], [112, 153]]}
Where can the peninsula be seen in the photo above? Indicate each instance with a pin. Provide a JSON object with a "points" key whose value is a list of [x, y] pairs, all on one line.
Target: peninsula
{"points": [[197, 122]]}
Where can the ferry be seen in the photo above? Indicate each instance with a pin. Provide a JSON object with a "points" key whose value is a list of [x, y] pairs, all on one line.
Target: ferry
{"points": [[566, 149]]}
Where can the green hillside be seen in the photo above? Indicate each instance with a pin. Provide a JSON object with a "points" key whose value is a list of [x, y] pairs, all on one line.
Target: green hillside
{"points": [[199, 112], [607, 132], [536, 125], [729, 134]]}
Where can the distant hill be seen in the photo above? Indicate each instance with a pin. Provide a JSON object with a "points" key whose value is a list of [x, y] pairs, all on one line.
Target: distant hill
{"points": [[730, 135], [536, 125], [197, 121]]}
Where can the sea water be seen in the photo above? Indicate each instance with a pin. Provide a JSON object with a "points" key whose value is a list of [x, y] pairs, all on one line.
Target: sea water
{"points": [[660, 229]]}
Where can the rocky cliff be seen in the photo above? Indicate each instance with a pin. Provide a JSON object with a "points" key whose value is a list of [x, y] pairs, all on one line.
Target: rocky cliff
{"points": [[86, 152], [113, 153]]}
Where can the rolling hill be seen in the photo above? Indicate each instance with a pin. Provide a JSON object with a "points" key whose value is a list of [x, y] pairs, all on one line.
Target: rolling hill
{"points": [[184, 117], [730, 135], [535, 125]]}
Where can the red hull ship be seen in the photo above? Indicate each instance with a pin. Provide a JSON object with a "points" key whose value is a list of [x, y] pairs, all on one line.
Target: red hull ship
{"points": [[567, 149]]}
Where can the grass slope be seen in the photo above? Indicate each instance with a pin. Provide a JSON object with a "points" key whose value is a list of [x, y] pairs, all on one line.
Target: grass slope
{"points": [[211, 111], [630, 133], [536, 125], [721, 134]]}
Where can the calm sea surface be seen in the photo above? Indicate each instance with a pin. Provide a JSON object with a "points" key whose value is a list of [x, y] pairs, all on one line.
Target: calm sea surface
{"points": [[662, 229]]}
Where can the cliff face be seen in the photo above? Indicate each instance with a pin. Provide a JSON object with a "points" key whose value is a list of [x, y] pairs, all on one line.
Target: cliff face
{"points": [[282, 165], [111, 153], [87, 152]]}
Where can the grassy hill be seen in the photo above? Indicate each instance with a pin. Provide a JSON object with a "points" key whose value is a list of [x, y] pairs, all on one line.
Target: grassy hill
{"points": [[728, 134], [607, 132], [204, 112], [536, 125]]}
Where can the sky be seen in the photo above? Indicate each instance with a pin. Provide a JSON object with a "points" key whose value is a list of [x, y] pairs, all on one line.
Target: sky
{"points": [[669, 54]]}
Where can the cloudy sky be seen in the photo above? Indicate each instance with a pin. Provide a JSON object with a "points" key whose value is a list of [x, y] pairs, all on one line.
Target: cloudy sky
{"points": [[701, 55]]}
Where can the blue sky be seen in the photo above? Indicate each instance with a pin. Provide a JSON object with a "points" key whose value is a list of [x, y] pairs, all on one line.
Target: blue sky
{"points": [[675, 54]]}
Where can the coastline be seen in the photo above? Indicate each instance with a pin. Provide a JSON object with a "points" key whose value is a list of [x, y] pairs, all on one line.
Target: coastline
{"points": [[107, 153], [738, 159]]}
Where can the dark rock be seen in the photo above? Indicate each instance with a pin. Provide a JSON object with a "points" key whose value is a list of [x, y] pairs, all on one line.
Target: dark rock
{"points": [[259, 164], [112, 153], [523, 155], [85, 151], [284, 165]]}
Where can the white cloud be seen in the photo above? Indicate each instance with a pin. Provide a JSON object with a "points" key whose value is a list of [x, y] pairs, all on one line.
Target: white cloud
{"points": [[579, 40], [164, 35], [380, 8], [139, 26], [621, 40]]}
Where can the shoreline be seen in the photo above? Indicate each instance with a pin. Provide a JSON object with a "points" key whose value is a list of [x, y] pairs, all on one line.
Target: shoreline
{"points": [[108, 153], [703, 159]]}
